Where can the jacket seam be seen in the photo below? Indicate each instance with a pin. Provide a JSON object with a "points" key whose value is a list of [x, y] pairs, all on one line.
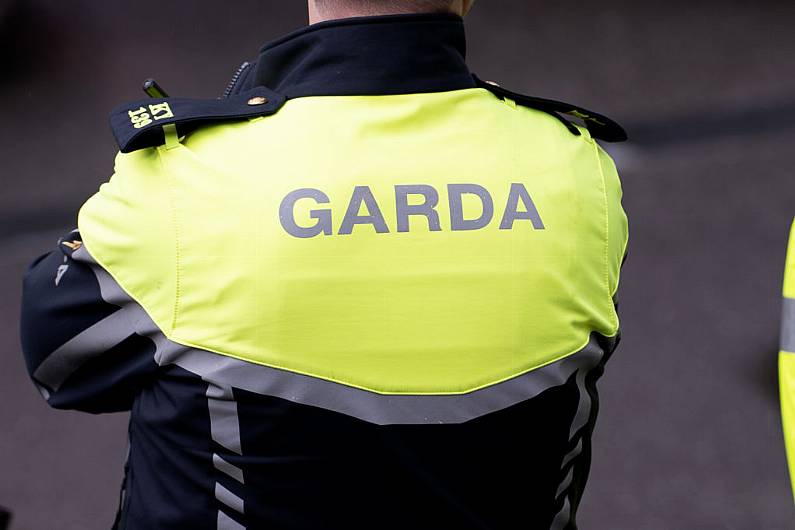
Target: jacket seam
{"points": [[520, 372], [177, 255], [613, 315]]}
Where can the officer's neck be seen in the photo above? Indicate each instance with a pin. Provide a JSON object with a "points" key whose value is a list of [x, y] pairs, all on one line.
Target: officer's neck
{"points": [[334, 11]]}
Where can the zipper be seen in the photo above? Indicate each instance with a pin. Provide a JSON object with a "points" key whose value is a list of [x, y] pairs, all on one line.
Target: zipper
{"points": [[235, 78]]}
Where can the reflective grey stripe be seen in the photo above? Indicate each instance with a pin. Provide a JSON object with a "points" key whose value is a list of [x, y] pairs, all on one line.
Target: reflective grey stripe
{"points": [[788, 325], [229, 469], [581, 419], [383, 409], [81, 348], [100, 337], [227, 523], [584, 405], [224, 423], [228, 498], [110, 290], [571, 454], [225, 430], [377, 408], [112, 293], [566, 482], [562, 518]]}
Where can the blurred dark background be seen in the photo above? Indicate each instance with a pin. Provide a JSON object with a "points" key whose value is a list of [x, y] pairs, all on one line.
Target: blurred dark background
{"points": [[689, 432]]}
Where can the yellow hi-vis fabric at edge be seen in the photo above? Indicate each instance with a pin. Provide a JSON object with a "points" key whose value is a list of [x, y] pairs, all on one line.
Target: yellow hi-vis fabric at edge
{"points": [[786, 357], [432, 243]]}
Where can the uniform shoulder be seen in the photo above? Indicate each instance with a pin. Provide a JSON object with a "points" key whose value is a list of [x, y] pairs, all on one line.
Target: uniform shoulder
{"points": [[599, 126], [144, 123]]}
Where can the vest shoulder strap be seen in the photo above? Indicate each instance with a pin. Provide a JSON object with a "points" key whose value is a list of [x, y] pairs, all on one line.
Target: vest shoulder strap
{"points": [[139, 124], [600, 126]]}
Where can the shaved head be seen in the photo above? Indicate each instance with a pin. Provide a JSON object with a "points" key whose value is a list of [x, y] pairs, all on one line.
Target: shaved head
{"points": [[320, 10]]}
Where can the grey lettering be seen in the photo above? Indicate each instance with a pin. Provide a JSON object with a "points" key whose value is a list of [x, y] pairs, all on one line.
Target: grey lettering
{"points": [[511, 213], [287, 217], [457, 221], [404, 209], [352, 217], [363, 195]]}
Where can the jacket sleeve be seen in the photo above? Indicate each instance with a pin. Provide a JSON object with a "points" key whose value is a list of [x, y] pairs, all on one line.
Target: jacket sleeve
{"points": [[81, 350], [786, 357]]}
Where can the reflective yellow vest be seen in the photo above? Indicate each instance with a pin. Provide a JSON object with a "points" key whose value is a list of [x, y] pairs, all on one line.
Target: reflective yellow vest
{"points": [[432, 243], [786, 357]]}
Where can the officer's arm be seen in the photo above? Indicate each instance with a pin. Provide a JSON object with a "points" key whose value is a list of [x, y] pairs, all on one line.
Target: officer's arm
{"points": [[80, 350], [786, 357]]}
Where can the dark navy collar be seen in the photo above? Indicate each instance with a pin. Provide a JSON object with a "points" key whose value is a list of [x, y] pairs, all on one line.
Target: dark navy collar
{"points": [[392, 54], [375, 55]]}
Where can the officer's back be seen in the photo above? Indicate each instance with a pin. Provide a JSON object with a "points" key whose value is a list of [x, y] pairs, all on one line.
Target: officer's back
{"points": [[378, 297]]}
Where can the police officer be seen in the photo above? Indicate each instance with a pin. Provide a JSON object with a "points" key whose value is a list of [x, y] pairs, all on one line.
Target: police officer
{"points": [[363, 289]]}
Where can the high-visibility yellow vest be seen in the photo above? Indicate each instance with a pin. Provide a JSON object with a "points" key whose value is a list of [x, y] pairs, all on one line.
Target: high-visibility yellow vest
{"points": [[432, 243], [786, 357]]}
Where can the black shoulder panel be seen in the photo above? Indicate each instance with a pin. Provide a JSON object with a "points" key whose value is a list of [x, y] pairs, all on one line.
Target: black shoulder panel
{"points": [[600, 126], [140, 124]]}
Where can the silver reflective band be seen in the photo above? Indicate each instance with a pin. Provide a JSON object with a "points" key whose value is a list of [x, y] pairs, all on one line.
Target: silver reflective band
{"points": [[225, 431], [80, 349], [581, 419], [788, 325], [386, 409], [563, 516], [227, 523], [222, 465], [97, 339], [566, 482], [224, 423], [228, 498], [222, 373]]}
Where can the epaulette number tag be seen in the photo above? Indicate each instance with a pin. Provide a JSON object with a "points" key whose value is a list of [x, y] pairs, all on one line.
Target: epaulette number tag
{"points": [[151, 122], [143, 116], [585, 117]]}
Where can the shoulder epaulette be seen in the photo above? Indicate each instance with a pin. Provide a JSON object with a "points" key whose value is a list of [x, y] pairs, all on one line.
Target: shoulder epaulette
{"points": [[598, 125], [139, 124]]}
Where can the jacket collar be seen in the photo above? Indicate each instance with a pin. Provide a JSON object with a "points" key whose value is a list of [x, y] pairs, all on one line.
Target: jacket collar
{"points": [[376, 55]]}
